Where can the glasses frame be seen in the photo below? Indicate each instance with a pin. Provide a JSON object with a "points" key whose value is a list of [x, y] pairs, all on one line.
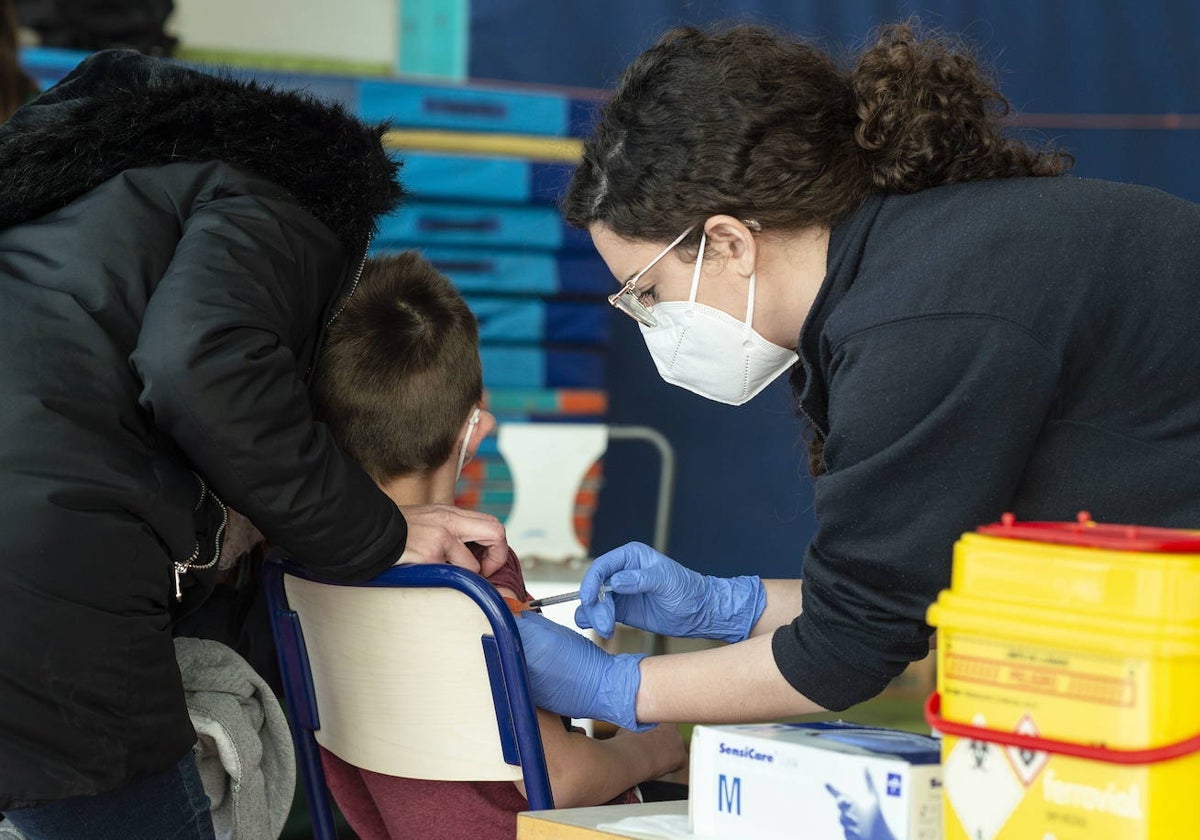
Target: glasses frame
{"points": [[626, 300]]}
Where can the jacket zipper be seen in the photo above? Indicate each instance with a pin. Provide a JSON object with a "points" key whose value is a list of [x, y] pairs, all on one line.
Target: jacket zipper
{"points": [[353, 284], [189, 564], [362, 264]]}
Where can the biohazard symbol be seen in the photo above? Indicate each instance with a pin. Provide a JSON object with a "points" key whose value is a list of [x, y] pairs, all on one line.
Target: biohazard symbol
{"points": [[979, 751], [1027, 764]]}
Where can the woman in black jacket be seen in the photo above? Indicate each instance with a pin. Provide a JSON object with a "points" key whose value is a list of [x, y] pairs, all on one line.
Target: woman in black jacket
{"points": [[172, 246], [967, 333]]}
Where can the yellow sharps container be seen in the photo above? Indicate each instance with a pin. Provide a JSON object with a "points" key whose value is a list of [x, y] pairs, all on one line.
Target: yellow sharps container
{"points": [[1069, 683]]}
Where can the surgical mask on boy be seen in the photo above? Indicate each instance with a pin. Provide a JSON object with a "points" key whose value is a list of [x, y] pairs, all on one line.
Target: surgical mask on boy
{"points": [[711, 353], [472, 422]]}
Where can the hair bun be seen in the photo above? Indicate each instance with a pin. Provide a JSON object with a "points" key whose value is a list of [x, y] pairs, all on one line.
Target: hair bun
{"points": [[930, 115]]}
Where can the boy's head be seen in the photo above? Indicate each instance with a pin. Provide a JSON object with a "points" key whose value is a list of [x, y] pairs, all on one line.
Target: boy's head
{"points": [[399, 375]]}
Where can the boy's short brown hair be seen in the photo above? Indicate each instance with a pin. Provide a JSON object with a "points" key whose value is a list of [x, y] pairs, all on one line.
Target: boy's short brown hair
{"points": [[400, 370]]}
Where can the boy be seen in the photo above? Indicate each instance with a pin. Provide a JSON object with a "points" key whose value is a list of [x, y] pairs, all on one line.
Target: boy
{"points": [[399, 384]]}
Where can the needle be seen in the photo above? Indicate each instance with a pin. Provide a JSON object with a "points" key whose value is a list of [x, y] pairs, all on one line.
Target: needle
{"points": [[566, 596]]}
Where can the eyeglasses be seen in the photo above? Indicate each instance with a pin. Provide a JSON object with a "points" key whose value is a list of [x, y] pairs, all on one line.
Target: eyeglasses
{"points": [[627, 299]]}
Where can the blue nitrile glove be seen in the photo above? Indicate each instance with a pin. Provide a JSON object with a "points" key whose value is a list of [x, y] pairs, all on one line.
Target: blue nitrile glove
{"points": [[570, 675], [861, 819], [654, 593]]}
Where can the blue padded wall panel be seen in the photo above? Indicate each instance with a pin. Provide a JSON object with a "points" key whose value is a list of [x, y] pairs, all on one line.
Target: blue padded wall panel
{"points": [[1162, 159], [464, 109], [518, 272], [493, 271], [464, 177], [541, 367], [585, 274], [474, 178], [570, 322], [548, 181], [428, 223], [513, 367], [1069, 55], [509, 320]]}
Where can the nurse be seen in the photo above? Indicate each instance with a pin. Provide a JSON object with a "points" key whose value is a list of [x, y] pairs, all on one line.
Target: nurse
{"points": [[967, 332]]}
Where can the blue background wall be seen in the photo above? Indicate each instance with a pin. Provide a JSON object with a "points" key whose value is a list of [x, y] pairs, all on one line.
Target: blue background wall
{"points": [[1115, 83]]}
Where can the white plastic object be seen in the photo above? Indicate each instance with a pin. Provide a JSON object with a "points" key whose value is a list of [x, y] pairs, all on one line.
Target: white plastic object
{"points": [[548, 462]]}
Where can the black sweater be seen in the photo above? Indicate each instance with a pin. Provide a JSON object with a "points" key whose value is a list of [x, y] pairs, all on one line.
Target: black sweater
{"points": [[1025, 345]]}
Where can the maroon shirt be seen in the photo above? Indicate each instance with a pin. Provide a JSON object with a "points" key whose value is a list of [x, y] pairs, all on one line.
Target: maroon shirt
{"points": [[381, 807]]}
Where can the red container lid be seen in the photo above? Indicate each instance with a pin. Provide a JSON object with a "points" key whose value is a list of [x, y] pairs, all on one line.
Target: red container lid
{"points": [[1084, 531]]}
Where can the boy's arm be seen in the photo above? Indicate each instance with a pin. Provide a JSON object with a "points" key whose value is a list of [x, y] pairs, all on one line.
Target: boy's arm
{"points": [[584, 771]]}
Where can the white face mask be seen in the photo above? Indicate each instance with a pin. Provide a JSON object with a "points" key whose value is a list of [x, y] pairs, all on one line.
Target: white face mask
{"points": [[472, 422], [711, 353]]}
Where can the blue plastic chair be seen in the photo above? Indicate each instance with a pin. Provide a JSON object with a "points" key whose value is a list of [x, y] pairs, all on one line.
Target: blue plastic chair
{"points": [[379, 672]]}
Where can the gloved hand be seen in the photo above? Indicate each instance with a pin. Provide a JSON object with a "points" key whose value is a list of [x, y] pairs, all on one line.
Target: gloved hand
{"points": [[655, 593], [861, 820], [570, 675]]}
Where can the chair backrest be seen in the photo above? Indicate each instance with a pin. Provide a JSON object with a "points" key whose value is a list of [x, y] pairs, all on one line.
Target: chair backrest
{"points": [[418, 672], [548, 462]]}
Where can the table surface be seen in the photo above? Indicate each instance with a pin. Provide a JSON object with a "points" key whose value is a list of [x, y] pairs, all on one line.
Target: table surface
{"points": [[580, 823]]}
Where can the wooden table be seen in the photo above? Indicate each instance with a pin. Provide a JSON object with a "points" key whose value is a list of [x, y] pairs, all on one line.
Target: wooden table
{"points": [[580, 823]]}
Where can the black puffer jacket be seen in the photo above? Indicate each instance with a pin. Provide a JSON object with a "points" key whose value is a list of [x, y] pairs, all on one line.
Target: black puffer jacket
{"points": [[171, 245]]}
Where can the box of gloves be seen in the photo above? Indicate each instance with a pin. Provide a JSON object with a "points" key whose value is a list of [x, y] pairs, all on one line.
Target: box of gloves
{"points": [[820, 781]]}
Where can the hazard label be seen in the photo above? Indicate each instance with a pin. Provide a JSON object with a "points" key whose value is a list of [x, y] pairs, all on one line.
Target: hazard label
{"points": [[980, 786], [1027, 764]]}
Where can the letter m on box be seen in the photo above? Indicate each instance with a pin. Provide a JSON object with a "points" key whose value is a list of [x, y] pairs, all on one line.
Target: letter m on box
{"points": [[729, 795]]}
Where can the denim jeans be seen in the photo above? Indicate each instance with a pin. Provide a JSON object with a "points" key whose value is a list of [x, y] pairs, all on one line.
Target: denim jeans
{"points": [[171, 805]]}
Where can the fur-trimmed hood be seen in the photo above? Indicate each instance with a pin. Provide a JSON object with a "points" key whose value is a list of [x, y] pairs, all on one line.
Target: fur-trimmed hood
{"points": [[119, 110]]}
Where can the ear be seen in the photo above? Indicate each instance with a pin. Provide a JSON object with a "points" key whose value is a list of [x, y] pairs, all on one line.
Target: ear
{"points": [[732, 238], [485, 426]]}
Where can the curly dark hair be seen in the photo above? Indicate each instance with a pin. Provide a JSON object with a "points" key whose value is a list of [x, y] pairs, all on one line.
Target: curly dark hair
{"points": [[747, 122]]}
